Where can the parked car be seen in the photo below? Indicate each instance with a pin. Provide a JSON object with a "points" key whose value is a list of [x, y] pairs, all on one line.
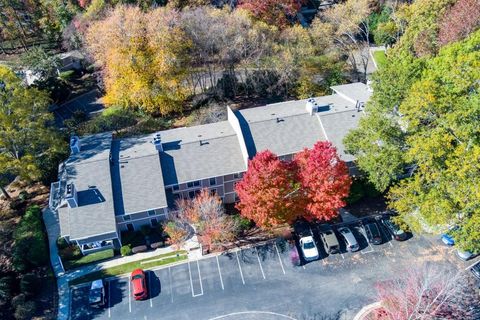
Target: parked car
{"points": [[309, 248], [476, 270], [373, 233], [447, 237], [330, 242], [350, 241], [96, 296], [394, 230], [466, 255], [139, 284]]}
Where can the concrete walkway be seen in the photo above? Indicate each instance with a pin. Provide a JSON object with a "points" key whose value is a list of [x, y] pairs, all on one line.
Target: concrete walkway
{"points": [[64, 277]]}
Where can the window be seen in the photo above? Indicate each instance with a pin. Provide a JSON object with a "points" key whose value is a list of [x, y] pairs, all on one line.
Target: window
{"points": [[213, 191], [175, 187], [191, 194], [193, 184], [236, 176], [151, 212], [213, 181], [154, 222], [126, 218]]}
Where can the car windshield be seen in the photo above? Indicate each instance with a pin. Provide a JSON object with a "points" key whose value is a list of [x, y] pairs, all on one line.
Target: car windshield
{"points": [[139, 293], [137, 276], [308, 245]]}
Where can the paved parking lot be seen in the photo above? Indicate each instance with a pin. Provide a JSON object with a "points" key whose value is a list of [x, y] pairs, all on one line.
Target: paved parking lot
{"points": [[262, 283]]}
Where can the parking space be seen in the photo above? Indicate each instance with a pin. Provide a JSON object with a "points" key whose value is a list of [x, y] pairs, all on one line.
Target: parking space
{"points": [[237, 279]]}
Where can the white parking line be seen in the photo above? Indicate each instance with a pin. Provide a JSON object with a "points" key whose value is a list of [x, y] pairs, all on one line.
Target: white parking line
{"points": [[150, 286], [343, 257], [109, 305], [371, 249], [386, 235], [303, 266], [170, 278], [240, 267], [279, 259], [191, 281], [260, 264], [200, 278], [220, 273], [129, 297]]}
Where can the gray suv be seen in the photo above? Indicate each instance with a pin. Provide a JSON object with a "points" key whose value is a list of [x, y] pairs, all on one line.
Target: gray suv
{"points": [[330, 242]]}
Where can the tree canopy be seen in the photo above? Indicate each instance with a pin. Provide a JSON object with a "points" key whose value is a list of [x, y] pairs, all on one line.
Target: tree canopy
{"points": [[419, 139], [26, 139]]}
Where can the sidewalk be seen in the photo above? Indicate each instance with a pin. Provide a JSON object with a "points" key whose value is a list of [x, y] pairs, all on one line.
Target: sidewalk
{"points": [[64, 277]]}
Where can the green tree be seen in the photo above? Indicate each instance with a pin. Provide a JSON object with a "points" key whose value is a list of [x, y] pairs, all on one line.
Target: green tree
{"points": [[26, 139]]}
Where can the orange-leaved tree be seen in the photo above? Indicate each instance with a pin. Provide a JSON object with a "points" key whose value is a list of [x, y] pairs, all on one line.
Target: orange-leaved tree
{"points": [[274, 12], [268, 192], [143, 58], [207, 214], [324, 181], [176, 234]]}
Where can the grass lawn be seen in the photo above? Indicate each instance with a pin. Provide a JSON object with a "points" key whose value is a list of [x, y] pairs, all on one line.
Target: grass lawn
{"points": [[156, 261], [380, 58], [90, 258]]}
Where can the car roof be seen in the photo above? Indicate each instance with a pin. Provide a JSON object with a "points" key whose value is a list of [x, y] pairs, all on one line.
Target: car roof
{"points": [[137, 285], [97, 284]]}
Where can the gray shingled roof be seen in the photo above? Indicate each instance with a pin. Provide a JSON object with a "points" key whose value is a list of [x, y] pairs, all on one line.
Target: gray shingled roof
{"points": [[337, 125], [89, 170], [137, 176], [286, 128], [200, 152], [353, 91]]}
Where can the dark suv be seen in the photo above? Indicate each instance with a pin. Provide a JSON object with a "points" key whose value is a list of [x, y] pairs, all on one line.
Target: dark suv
{"points": [[395, 231], [373, 233]]}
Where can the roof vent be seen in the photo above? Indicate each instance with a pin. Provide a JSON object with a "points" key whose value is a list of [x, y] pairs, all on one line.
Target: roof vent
{"points": [[359, 106], [157, 142], [310, 106], [71, 195], [74, 144]]}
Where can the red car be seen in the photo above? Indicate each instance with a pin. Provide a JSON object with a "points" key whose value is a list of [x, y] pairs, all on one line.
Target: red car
{"points": [[139, 284]]}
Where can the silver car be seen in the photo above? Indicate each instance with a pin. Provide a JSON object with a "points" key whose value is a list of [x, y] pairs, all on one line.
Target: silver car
{"points": [[350, 241]]}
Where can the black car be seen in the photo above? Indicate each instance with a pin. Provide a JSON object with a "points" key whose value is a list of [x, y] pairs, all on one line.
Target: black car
{"points": [[394, 230], [96, 297], [373, 233], [476, 270]]}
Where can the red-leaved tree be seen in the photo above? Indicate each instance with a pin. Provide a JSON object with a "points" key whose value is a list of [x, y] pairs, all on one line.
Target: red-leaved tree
{"points": [[268, 191], [459, 21], [324, 181], [273, 12]]}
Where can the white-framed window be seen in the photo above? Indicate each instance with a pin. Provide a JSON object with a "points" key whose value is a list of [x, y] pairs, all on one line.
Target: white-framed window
{"points": [[151, 212], [236, 176], [176, 187], [127, 218], [213, 181]]}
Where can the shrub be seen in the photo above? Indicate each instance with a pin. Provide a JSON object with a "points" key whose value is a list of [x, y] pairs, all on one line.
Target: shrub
{"points": [[23, 195], [30, 247], [126, 250], [243, 223], [71, 252], [62, 243], [139, 249], [6, 287], [29, 284], [25, 311], [159, 244], [18, 300], [66, 75]]}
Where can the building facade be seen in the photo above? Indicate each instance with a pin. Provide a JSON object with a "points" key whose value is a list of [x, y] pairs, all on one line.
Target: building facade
{"points": [[108, 185]]}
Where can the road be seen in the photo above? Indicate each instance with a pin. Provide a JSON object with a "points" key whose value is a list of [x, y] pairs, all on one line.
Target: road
{"points": [[261, 283]]}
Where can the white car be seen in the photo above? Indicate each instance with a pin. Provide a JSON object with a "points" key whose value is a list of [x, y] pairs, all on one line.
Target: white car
{"points": [[309, 248], [350, 241]]}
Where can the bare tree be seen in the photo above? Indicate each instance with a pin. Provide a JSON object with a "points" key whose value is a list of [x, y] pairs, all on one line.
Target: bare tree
{"points": [[346, 26], [428, 292]]}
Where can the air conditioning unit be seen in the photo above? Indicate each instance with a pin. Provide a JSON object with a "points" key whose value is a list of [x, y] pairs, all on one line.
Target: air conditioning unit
{"points": [[71, 196]]}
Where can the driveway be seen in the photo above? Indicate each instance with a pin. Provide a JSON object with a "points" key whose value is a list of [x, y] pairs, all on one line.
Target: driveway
{"points": [[262, 283]]}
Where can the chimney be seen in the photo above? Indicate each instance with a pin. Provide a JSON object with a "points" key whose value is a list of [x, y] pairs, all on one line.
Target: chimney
{"points": [[310, 106], [74, 144], [157, 142], [71, 196]]}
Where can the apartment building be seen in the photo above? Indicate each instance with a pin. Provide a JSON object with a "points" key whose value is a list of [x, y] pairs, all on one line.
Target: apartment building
{"points": [[110, 185]]}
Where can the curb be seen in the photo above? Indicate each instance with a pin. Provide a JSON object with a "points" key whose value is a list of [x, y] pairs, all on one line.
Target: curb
{"points": [[366, 310]]}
